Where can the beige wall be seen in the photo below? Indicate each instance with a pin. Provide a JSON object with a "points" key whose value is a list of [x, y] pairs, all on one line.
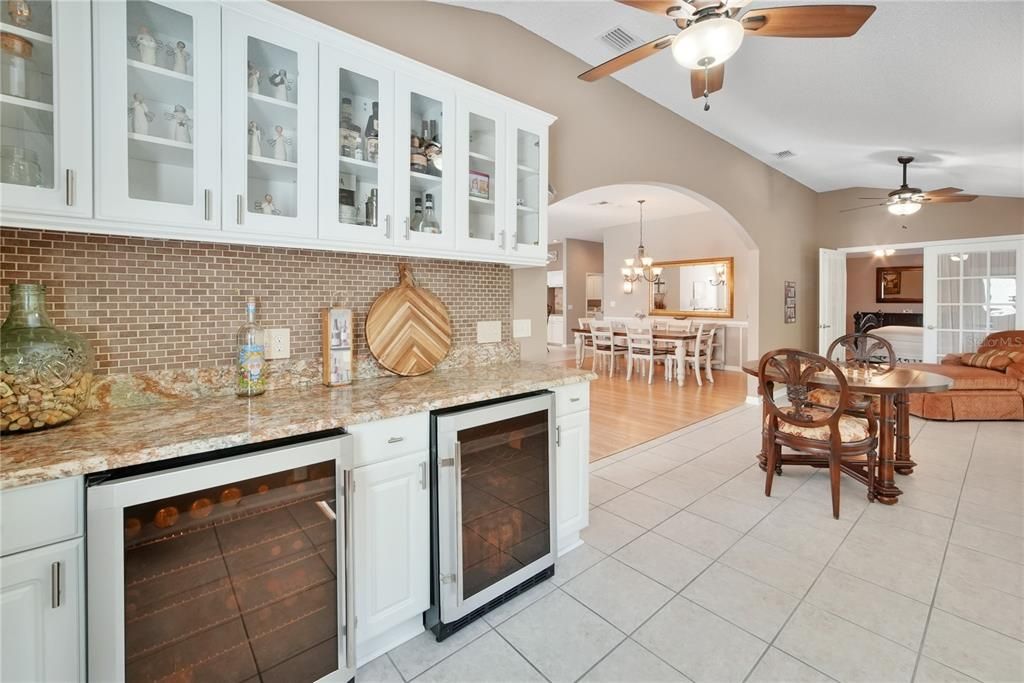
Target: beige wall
{"points": [[528, 288], [778, 213], [860, 284], [984, 217], [581, 257]]}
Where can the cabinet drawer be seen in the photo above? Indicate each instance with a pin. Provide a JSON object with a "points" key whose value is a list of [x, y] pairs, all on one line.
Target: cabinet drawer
{"points": [[385, 439], [572, 398], [40, 514]]}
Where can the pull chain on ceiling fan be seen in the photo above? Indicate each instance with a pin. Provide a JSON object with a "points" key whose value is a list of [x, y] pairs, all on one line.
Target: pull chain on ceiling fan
{"points": [[906, 200], [711, 31]]}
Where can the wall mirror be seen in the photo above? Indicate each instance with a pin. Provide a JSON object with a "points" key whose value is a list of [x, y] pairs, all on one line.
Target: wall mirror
{"points": [[899, 285], [701, 288]]}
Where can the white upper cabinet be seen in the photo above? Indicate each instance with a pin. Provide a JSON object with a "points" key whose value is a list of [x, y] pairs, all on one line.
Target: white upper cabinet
{"points": [[159, 62], [45, 108], [528, 151], [357, 147], [269, 87], [426, 116], [482, 178]]}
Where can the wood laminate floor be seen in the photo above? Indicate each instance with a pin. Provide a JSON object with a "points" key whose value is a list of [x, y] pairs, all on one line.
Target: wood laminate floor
{"points": [[625, 414]]}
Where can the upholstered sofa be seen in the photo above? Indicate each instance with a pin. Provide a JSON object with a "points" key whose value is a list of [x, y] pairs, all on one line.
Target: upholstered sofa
{"points": [[977, 393]]}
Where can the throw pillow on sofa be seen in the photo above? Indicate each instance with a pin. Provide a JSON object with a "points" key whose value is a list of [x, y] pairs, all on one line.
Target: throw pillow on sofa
{"points": [[992, 360]]}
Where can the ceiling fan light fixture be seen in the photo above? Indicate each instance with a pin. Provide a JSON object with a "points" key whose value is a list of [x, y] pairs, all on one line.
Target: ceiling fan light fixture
{"points": [[903, 207], [707, 43]]}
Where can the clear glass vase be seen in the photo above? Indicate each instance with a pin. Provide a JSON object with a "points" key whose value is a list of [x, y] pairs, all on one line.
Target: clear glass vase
{"points": [[45, 373]]}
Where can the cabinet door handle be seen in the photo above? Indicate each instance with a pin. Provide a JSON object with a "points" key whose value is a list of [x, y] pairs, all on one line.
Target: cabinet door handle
{"points": [[387, 226], [208, 205], [350, 580], [503, 240], [396, 439], [574, 399], [515, 241], [423, 475], [406, 221], [55, 594], [240, 209], [69, 187], [558, 436]]}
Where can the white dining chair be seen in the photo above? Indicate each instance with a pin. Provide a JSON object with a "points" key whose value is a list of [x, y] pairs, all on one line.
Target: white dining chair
{"points": [[586, 342], [644, 352], [696, 355], [709, 351], [606, 351]]}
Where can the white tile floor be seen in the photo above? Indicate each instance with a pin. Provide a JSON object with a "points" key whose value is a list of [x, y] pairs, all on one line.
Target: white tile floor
{"points": [[690, 573]]}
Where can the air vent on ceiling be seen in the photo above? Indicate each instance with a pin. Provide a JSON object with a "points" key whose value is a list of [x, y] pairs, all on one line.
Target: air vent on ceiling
{"points": [[600, 203], [618, 39], [784, 154]]}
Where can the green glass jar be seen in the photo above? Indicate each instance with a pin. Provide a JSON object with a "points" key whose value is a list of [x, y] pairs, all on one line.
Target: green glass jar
{"points": [[45, 373]]}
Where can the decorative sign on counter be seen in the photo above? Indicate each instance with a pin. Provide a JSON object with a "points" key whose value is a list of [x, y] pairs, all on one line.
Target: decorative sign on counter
{"points": [[336, 345]]}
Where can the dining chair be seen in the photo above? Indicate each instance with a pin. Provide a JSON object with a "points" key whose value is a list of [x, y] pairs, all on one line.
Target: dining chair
{"points": [[696, 356], [858, 352], [588, 341], [813, 432], [642, 349], [680, 325], [606, 350], [718, 342], [709, 354]]}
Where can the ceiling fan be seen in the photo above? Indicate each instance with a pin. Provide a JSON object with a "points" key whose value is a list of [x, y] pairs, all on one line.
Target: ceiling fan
{"points": [[712, 31], [906, 200]]}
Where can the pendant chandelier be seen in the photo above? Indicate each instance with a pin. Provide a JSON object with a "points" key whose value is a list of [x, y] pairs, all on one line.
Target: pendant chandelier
{"points": [[641, 266]]}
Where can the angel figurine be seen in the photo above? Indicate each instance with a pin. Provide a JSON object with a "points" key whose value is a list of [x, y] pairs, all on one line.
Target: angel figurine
{"points": [[255, 139], [139, 115], [254, 79], [147, 46], [280, 144], [267, 206], [182, 124], [20, 12], [181, 57], [279, 81]]}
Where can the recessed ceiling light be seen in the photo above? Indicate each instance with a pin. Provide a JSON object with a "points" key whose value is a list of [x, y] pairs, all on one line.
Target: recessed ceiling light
{"points": [[884, 252]]}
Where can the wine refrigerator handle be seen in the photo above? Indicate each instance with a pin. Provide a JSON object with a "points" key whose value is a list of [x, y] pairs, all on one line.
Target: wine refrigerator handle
{"points": [[350, 582]]}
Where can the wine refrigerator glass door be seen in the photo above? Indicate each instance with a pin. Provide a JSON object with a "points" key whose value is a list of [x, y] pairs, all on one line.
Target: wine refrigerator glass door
{"points": [[228, 571]]}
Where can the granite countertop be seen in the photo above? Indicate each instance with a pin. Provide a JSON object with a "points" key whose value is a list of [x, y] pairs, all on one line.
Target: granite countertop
{"points": [[102, 440]]}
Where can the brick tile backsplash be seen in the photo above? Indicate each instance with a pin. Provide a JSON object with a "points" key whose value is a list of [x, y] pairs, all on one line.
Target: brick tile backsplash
{"points": [[147, 305]]}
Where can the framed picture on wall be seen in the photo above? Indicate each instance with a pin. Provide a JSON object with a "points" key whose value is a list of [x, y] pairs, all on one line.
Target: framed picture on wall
{"points": [[899, 284], [789, 303]]}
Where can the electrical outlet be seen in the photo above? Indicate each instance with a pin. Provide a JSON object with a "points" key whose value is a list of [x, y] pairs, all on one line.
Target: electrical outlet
{"points": [[278, 343], [488, 332], [521, 327]]}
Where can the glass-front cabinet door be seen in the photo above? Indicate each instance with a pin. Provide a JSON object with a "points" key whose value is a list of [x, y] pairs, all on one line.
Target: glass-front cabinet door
{"points": [[423, 185], [529, 153], [45, 107], [481, 178], [357, 149], [270, 148], [158, 111]]}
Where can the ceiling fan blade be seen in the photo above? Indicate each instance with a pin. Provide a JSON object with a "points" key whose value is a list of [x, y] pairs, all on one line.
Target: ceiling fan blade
{"points": [[715, 77], [943, 191], [876, 199], [858, 208], [952, 198], [811, 21], [666, 8], [627, 58]]}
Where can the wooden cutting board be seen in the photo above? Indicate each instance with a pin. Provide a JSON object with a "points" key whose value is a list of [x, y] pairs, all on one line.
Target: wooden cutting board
{"points": [[407, 328]]}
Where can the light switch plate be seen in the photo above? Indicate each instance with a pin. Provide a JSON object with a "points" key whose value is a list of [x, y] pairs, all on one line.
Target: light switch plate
{"points": [[278, 343], [521, 328], [488, 332]]}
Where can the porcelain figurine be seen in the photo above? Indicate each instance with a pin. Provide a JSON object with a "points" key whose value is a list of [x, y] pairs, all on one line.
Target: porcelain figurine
{"points": [[255, 139], [20, 12], [139, 115], [279, 82], [254, 79], [181, 57], [147, 45], [267, 206], [182, 124], [280, 144]]}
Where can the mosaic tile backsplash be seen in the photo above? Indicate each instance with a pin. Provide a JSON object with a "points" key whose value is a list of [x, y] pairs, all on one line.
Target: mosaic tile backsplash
{"points": [[161, 315]]}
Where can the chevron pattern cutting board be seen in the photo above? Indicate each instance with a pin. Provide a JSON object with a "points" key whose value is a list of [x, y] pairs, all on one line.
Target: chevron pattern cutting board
{"points": [[407, 328]]}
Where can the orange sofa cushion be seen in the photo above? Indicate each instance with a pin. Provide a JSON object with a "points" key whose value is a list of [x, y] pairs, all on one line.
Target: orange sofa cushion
{"points": [[997, 359]]}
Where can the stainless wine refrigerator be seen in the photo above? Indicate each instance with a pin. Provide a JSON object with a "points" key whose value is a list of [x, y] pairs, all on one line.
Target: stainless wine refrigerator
{"points": [[493, 506], [234, 568]]}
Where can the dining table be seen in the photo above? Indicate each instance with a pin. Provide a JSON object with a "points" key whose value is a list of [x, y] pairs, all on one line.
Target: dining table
{"points": [[676, 337], [893, 388]]}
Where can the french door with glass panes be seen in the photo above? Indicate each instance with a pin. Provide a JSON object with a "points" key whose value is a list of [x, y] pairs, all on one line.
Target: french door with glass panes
{"points": [[971, 291], [528, 151], [269, 87], [158, 111], [482, 196], [357, 149], [45, 108], [425, 114]]}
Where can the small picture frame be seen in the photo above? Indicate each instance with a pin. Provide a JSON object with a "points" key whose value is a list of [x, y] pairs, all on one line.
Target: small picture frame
{"points": [[789, 303], [336, 341], [479, 185]]}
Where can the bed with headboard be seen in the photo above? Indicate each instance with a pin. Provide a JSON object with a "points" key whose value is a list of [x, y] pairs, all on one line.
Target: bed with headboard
{"points": [[903, 330]]}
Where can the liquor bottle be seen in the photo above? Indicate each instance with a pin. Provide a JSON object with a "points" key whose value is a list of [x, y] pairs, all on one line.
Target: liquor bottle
{"points": [[417, 216], [349, 133], [371, 208], [429, 223], [373, 135], [252, 377], [417, 160]]}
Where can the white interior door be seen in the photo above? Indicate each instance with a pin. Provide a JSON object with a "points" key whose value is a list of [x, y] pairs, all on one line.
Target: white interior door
{"points": [[831, 297], [970, 291]]}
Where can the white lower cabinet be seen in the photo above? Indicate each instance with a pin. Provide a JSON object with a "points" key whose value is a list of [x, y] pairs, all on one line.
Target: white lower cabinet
{"points": [[572, 471], [42, 609], [392, 548]]}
